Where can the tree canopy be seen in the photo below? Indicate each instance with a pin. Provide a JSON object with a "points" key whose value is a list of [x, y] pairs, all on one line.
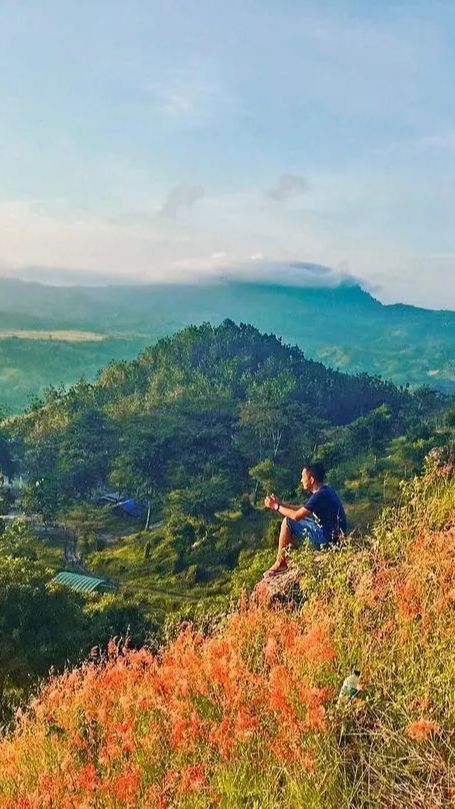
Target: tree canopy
{"points": [[208, 401]]}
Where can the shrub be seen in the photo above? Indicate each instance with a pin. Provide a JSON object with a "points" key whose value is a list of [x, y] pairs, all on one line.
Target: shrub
{"points": [[246, 713], [245, 505]]}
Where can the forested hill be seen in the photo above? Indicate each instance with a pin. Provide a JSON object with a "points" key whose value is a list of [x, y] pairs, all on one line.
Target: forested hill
{"points": [[219, 409], [343, 327], [198, 428]]}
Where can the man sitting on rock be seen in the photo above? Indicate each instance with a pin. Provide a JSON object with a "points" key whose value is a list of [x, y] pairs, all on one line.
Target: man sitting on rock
{"points": [[320, 521]]}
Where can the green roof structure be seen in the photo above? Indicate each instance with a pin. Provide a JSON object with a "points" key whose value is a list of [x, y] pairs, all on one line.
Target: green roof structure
{"points": [[82, 583]]}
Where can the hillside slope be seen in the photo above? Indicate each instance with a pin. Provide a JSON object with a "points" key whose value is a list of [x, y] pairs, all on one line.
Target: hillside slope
{"points": [[343, 327], [246, 714], [207, 404], [29, 366]]}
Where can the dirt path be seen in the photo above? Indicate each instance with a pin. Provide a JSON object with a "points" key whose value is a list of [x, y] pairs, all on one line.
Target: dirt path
{"points": [[73, 558], [56, 530]]}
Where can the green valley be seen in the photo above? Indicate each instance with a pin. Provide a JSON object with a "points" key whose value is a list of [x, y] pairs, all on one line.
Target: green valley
{"points": [[343, 327]]}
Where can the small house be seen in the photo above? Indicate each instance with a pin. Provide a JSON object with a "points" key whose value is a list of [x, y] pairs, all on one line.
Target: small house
{"points": [[84, 583], [130, 508]]}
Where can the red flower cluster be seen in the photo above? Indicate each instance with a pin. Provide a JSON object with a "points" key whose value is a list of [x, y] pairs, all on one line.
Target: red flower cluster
{"points": [[422, 729], [148, 728]]}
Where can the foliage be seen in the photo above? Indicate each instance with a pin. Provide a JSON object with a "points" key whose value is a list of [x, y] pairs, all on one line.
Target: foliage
{"points": [[43, 625], [201, 425], [342, 327], [6, 461], [19, 542], [246, 713], [210, 404], [40, 626]]}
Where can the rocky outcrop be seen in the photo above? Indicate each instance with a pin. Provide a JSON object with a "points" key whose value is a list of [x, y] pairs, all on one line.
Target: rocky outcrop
{"points": [[284, 588]]}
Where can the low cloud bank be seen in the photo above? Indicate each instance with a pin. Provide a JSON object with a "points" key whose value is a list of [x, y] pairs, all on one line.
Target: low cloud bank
{"points": [[282, 273], [214, 270], [294, 273], [64, 276]]}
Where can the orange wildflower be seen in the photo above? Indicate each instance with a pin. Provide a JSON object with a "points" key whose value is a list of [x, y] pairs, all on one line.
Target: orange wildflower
{"points": [[221, 737], [316, 645], [126, 786], [271, 651], [87, 778], [422, 729], [155, 797], [193, 779], [179, 732], [245, 724], [408, 600], [280, 688]]}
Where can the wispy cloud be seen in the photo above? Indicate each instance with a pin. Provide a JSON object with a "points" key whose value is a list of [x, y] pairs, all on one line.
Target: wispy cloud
{"points": [[64, 276], [442, 140], [288, 185], [181, 197], [101, 169], [192, 97]]}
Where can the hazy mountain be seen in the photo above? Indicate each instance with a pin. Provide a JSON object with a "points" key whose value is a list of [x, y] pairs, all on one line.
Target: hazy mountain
{"points": [[343, 326]]}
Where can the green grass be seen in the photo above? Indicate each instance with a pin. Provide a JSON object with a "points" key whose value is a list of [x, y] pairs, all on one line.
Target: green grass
{"points": [[255, 535], [383, 602], [153, 581]]}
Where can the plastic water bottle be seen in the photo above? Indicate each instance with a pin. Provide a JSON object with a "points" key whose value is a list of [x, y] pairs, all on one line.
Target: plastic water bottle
{"points": [[350, 688]]}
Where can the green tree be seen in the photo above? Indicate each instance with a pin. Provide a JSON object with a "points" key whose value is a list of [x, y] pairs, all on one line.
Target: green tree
{"points": [[19, 542], [41, 624], [7, 465], [270, 476]]}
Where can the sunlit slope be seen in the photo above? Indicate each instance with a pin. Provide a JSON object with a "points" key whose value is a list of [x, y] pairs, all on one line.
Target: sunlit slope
{"points": [[247, 714]]}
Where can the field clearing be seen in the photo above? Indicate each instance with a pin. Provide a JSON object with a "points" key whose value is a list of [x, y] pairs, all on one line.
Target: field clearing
{"points": [[65, 336]]}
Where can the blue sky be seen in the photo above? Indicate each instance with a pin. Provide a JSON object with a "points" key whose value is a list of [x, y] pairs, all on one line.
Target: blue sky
{"points": [[147, 140]]}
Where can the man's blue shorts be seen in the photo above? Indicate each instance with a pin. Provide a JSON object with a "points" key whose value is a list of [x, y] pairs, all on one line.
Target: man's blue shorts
{"points": [[307, 529]]}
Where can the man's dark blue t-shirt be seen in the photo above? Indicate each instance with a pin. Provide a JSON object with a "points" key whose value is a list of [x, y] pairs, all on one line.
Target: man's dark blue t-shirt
{"points": [[328, 508]]}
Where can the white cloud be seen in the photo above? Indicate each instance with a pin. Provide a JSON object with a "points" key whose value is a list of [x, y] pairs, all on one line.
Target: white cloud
{"points": [[181, 197], [354, 221], [268, 271], [288, 185]]}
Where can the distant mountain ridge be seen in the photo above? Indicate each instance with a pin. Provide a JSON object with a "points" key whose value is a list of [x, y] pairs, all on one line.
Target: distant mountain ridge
{"points": [[342, 326], [21, 296]]}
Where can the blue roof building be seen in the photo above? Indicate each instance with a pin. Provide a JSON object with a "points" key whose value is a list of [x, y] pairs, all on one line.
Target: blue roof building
{"points": [[131, 508]]}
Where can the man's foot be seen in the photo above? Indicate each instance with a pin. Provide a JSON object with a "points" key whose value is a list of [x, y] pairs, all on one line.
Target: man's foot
{"points": [[278, 567]]}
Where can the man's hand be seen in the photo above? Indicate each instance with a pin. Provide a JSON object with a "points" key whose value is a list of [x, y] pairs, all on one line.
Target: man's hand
{"points": [[272, 501], [294, 512]]}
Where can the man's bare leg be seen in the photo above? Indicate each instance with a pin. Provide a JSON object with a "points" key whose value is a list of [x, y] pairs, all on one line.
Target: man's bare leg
{"points": [[284, 541]]}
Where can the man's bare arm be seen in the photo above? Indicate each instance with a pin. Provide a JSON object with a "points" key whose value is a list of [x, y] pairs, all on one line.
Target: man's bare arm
{"points": [[294, 512], [298, 513], [293, 506]]}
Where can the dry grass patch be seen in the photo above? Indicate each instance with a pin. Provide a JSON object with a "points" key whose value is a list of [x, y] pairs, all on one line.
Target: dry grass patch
{"points": [[66, 336]]}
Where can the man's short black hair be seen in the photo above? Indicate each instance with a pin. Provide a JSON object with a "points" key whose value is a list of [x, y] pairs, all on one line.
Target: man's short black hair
{"points": [[316, 470]]}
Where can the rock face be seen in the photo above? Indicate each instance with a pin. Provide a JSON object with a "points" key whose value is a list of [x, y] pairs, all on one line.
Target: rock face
{"points": [[441, 460], [283, 588]]}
